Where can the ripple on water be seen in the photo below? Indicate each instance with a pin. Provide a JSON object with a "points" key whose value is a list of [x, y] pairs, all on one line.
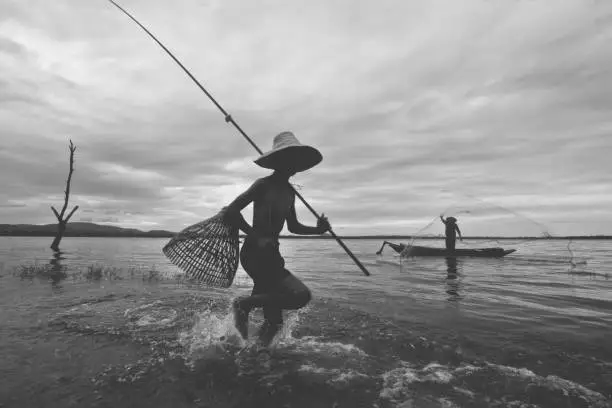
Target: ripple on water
{"points": [[495, 385]]}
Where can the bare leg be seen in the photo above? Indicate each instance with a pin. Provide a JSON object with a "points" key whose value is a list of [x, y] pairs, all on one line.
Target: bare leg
{"points": [[267, 332], [381, 248], [289, 294], [241, 318]]}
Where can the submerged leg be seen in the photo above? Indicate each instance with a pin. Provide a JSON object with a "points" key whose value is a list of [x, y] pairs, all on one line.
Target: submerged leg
{"points": [[273, 322], [241, 317], [288, 294]]}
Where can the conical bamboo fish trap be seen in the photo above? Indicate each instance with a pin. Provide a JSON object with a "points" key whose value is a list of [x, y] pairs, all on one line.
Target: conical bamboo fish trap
{"points": [[207, 251]]}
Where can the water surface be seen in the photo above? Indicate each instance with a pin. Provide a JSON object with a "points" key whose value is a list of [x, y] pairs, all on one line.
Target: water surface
{"points": [[116, 325]]}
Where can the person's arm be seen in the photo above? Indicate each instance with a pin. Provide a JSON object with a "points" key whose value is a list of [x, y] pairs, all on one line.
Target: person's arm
{"points": [[295, 227], [458, 232], [442, 219], [233, 215]]}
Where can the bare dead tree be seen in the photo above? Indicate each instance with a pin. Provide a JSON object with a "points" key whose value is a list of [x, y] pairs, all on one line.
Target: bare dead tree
{"points": [[61, 221]]}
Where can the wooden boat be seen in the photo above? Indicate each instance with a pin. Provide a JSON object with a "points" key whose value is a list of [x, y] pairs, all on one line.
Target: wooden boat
{"points": [[415, 250]]}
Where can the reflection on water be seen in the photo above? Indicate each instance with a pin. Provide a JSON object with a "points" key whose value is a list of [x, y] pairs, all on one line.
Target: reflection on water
{"points": [[453, 278], [57, 272]]}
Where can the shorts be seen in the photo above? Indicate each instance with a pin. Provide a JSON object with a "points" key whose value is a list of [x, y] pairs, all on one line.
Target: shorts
{"points": [[266, 267]]}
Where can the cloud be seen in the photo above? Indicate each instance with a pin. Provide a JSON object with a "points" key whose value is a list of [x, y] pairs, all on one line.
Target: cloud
{"points": [[12, 205], [417, 107]]}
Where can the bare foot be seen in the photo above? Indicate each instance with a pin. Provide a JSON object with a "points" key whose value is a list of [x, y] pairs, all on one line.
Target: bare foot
{"points": [[267, 332], [241, 318]]}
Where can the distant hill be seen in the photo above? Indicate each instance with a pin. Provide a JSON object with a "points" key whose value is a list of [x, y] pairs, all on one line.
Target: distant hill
{"points": [[79, 229], [87, 229]]}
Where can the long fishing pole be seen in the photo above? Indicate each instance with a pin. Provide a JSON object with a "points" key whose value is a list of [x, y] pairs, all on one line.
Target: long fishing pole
{"points": [[229, 119]]}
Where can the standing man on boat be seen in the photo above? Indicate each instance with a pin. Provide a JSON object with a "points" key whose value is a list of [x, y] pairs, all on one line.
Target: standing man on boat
{"points": [[451, 230]]}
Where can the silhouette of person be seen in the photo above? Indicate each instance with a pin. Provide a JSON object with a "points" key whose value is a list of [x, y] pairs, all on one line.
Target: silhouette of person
{"points": [[275, 288], [452, 229]]}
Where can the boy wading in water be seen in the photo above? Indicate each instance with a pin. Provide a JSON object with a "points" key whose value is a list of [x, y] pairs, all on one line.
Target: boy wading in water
{"points": [[452, 229], [273, 198]]}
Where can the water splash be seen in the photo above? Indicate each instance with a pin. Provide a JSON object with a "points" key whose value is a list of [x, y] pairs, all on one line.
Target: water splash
{"points": [[316, 345], [553, 383], [212, 335], [406, 383], [334, 377], [152, 314]]}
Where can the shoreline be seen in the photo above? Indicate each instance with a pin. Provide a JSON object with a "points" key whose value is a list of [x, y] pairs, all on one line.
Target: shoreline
{"points": [[85, 229], [347, 237]]}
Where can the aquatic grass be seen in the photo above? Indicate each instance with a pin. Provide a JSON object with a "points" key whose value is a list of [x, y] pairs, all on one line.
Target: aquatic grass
{"points": [[40, 271], [146, 273], [96, 272], [153, 274]]}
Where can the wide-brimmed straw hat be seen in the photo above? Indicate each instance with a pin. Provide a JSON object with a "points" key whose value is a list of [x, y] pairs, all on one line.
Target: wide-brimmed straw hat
{"points": [[286, 148]]}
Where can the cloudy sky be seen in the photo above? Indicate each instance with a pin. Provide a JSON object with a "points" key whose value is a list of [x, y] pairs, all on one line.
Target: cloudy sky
{"points": [[499, 111]]}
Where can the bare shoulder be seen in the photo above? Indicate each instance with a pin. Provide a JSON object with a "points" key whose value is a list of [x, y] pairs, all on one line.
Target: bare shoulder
{"points": [[260, 183], [260, 187], [263, 183]]}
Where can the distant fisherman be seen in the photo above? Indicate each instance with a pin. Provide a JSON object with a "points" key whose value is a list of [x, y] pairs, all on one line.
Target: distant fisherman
{"points": [[273, 198], [451, 230]]}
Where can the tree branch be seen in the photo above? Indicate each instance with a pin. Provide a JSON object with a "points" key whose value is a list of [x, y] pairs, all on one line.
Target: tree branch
{"points": [[71, 212], [56, 213], [67, 191]]}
